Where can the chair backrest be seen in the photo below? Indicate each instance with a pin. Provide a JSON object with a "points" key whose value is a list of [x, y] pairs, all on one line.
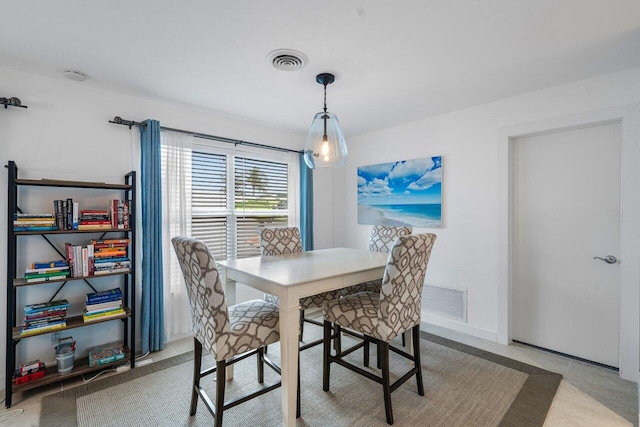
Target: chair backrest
{"points": [[279, 240], [382, 237], [401, 292], [209, 312]]}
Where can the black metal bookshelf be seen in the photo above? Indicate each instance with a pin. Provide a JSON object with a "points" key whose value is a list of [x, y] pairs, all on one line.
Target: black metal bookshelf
{"points": [[13, 335]]}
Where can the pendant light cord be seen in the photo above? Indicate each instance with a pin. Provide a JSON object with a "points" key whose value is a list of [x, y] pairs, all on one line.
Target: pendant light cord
{"points": [[325, 98]]}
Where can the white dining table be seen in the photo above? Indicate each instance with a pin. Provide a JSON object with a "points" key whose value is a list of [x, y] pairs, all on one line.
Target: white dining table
{"points": [[294, 276]]}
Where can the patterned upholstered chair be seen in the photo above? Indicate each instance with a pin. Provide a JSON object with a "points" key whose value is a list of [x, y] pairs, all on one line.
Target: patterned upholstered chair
{"points": [[380, 240], [385, 315], [287, 240], [224, 331]]}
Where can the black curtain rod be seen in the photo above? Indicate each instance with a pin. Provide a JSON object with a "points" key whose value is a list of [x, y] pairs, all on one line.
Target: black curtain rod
{"points": [[120, 121]]}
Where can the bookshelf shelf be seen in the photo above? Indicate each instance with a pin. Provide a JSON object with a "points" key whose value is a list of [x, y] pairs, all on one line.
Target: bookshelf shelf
{"points": [[104, 230], [23, 282], [80, 367], [15, 283], [71, 184], [72, 322]]}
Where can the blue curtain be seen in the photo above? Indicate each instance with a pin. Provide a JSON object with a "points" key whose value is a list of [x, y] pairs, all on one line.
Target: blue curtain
{"points": [[306, 204], [152, 306]]}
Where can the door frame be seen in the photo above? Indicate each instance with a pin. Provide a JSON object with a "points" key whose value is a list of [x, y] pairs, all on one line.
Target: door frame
{"points": [[629, 118]]}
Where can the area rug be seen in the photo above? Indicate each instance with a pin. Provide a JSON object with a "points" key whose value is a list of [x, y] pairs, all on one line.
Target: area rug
{"points": [[464, 386]]}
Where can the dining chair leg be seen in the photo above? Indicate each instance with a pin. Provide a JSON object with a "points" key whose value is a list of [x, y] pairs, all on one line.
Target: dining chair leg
{"points": [[221, 373], [416, 354], [325, 355], [260, 354], [366, 351], [379, 356], [404, 339], [197, 365], [298, 403], [386, 385], [301, 325], [337, 343]]}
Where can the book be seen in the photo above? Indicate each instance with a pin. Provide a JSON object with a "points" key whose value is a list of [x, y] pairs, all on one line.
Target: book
{"points": [[110, 271], [106, 353], [94, 227], [45, 314], [99, 261], [36, 228], [74, 216], [36, 222], [32, 324], [88, 317], [48, 328], [47, 279], [101, 306], [110, 241], [36, 215], [110, 245], [109, 254], [104, 296], [51, 272], [44, 306], [50, 264], [46, 269], [69, 217]]}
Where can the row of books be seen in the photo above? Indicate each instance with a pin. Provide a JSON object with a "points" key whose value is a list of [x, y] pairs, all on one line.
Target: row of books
{"points": [[68, 216], [111, 256], [34, 222], [45, 271], [103, 305], [45, 317]]}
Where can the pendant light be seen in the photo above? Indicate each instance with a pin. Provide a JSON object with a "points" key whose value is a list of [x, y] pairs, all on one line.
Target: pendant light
{"points": [[325, 147]]}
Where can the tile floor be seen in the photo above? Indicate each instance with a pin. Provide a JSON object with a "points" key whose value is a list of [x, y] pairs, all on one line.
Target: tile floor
{"points": [[588, 395]]}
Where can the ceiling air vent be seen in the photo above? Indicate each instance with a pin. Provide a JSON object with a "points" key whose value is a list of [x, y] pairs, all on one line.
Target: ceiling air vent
{"points": [[287, 59]]}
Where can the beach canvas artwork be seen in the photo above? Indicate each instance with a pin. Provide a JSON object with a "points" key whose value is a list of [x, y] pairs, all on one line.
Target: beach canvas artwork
{"points": [[408, 192]]}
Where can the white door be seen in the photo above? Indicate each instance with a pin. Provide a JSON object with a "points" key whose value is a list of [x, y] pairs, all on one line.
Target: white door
{"points": [[566, 213]]}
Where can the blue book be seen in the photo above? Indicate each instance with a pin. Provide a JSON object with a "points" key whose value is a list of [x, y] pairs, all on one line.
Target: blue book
{"points": [[50, 264], [62, 304], [35, 228], [104, 296]]}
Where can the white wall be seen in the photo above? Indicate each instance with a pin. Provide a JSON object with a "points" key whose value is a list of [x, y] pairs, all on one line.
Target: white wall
{"points": [[466, 254], [65, 134]]}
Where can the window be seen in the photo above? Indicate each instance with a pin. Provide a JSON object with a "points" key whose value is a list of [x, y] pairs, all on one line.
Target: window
{"points": [[234, 194]]}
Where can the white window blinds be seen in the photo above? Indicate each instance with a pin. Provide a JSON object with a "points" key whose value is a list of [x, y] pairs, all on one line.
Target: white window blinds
{"points": [[228, 221]]}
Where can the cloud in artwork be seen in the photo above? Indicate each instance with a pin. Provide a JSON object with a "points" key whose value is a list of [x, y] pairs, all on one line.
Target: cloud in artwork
{"points": [[427, 180], [410, 169], [375, 188], [377, 170], [361, 181]]}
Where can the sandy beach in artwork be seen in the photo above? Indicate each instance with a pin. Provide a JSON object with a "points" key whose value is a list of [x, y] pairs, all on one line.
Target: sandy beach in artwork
{"points": [[373, 216]]}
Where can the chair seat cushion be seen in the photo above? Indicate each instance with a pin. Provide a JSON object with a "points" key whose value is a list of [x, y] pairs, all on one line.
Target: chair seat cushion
{"points": [[358, 312], [370, 286], [252, 324]]}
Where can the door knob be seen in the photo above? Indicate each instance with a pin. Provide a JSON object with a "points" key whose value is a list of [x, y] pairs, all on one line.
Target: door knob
{"points": [[609, 259]]}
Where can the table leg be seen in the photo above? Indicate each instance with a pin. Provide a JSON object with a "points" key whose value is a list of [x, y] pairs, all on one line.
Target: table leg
{"points": [[289, 329], [230, 295]]}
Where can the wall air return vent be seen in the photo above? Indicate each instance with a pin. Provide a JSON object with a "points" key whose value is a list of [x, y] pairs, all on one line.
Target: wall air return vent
{"points": [[445, 302]]}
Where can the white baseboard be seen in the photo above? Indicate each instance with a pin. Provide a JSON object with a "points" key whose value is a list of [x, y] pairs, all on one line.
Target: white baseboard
{"points": [[460, 327]]}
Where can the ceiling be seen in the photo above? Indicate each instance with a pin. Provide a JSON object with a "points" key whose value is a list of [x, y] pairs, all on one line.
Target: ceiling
{"points": [[394, 61]]}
